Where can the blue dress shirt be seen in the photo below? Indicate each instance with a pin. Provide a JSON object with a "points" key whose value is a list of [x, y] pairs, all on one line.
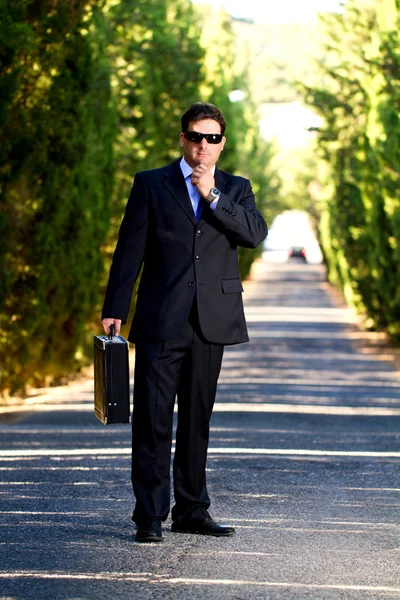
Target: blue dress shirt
{"points": [[193, 192]]}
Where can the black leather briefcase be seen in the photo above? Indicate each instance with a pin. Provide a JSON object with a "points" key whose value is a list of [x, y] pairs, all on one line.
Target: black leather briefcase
{"points": [[111, 379]]}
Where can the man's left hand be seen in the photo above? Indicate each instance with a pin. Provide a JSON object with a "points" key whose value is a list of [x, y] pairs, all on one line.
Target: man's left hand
{"points": [[203, 179]]}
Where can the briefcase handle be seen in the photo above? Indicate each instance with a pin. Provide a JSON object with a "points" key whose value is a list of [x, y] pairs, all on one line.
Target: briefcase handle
{"points": [[112, 332]]}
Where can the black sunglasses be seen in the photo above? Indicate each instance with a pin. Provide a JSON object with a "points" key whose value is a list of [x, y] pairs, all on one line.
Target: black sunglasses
{"points": [[211, 138]]}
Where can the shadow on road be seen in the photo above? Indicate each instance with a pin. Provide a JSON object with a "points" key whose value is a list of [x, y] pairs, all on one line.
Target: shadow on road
{"points": [[303, 461]]}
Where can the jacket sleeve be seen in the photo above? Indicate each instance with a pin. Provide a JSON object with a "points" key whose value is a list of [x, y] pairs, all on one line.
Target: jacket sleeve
{"points": [[241, 218], [129, 253]]}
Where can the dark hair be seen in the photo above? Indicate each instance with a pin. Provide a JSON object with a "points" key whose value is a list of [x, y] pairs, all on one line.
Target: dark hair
{"points": [[202, 110]]}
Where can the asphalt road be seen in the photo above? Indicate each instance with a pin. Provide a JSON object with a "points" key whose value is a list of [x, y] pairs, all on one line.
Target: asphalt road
{"points": [[303, 461]]}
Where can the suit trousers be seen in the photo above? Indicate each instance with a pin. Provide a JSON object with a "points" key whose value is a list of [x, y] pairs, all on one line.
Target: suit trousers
{"points": [[187, 368]]}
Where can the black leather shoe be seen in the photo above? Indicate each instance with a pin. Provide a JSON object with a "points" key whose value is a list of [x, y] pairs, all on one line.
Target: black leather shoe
{"points": [[206, 527], [150, 531]]}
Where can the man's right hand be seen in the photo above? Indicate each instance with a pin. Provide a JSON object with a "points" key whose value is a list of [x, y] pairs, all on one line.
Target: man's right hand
{"points": [[106, 325]]}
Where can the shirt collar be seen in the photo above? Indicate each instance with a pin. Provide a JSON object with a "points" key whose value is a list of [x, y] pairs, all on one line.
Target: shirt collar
{"points": [[187, 170]]}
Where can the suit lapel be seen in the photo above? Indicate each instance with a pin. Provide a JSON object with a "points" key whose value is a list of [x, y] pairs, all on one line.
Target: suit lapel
{"points": [[175, 184]]}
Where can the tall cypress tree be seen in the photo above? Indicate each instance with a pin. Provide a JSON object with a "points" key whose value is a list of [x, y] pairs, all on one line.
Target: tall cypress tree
{"points": [[56, 178], [359, 140]]}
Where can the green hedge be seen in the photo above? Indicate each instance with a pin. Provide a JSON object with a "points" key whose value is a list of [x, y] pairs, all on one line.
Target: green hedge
{"points": [[56, 178], [359, 104]]}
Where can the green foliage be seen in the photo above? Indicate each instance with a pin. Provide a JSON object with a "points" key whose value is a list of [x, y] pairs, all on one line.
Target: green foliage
{"points": [[56, 178], [359, 102], [157, 60], [157, 70], [245, 153], [91, 91], [255, 164]]}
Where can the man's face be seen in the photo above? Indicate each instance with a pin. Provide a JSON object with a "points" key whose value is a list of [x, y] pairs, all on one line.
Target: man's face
{"points": [[202, 152]]}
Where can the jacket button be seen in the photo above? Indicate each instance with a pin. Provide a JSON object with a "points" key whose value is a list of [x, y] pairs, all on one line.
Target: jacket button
{"points": [[197, 257], [233, 214], [191, 284], [198, 232]]}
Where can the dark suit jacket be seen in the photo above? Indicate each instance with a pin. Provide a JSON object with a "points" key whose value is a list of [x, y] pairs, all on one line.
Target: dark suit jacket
{"points": [[182, 257]]}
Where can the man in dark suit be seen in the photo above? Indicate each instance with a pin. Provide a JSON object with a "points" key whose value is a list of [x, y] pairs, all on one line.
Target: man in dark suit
{"points": [[183, 223]]}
